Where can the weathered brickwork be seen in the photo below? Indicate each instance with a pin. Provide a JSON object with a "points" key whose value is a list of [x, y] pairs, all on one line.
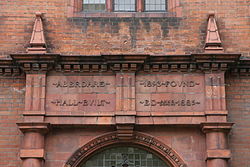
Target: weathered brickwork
{"points": [[238, 92], [11, 105], [92, 36]]}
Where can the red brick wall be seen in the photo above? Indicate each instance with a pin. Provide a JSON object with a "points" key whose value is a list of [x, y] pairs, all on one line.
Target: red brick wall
{"points": [[11, 106], [94, 36], [238, 104]]}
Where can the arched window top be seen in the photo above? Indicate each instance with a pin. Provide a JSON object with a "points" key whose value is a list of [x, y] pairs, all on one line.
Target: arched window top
{"points": [[109, 141], [124, 157]]}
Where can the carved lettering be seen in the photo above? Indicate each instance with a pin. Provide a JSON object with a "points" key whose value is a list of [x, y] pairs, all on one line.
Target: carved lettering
{"points": [[165, 103], [169, 83], [84, 102], [80, 84]]}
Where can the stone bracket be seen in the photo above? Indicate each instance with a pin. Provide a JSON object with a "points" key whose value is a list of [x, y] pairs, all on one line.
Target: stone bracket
{"points": [[219, 154], [32, 153]]}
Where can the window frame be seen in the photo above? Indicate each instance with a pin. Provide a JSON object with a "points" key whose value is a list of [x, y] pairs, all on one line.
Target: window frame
{"points": [[173, 9], [94, 11], [113, 7], [166, 7]]}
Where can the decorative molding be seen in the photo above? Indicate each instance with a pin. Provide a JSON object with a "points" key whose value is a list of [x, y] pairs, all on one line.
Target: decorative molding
{"points": [[42, 63], [34, 127], [216, 113], [125, 132], [242, 68], [213, 41], [8, 68], [34, 63], [37, 41], [140, 139], [216, 127], [219, 154], [32, 153]]}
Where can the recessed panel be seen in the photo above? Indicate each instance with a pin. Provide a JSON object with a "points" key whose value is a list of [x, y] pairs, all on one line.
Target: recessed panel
{"points": [[170, 92], [80, 94]]}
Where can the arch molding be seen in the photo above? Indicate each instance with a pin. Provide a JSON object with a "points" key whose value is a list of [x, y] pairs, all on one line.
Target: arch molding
{"points": [[140, 139]]}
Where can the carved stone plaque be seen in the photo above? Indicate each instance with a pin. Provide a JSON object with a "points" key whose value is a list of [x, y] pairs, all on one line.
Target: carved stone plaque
{"points": [[80, 94], [170, 92]]}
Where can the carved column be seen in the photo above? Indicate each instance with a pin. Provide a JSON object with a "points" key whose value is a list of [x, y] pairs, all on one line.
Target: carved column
{"points": [[218, 152], [32, 150], [216, 127]]}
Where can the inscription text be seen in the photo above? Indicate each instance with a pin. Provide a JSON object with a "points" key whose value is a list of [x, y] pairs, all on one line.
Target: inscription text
{"points": [[147, 83], [164, 103]]}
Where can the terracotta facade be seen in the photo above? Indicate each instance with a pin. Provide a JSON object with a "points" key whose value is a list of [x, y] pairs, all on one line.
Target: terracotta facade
{"points": [[173, 83]]}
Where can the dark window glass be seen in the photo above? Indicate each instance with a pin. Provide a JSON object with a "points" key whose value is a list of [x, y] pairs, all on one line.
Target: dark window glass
{"points": [[155, 5], [124, 5], [93, 5], [124, 156]]}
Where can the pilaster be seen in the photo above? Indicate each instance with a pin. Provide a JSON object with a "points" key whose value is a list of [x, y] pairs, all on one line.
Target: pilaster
{"points": [[215, 97], [125, 105], [35, 98]]}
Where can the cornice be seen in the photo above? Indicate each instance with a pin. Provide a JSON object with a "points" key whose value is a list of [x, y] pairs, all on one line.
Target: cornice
{"points": [[204, 62], [34, 63], [8, 68]]}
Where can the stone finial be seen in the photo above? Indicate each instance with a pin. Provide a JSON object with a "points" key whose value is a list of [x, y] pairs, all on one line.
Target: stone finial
{"points": [[37, 42], [213, 42]]}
